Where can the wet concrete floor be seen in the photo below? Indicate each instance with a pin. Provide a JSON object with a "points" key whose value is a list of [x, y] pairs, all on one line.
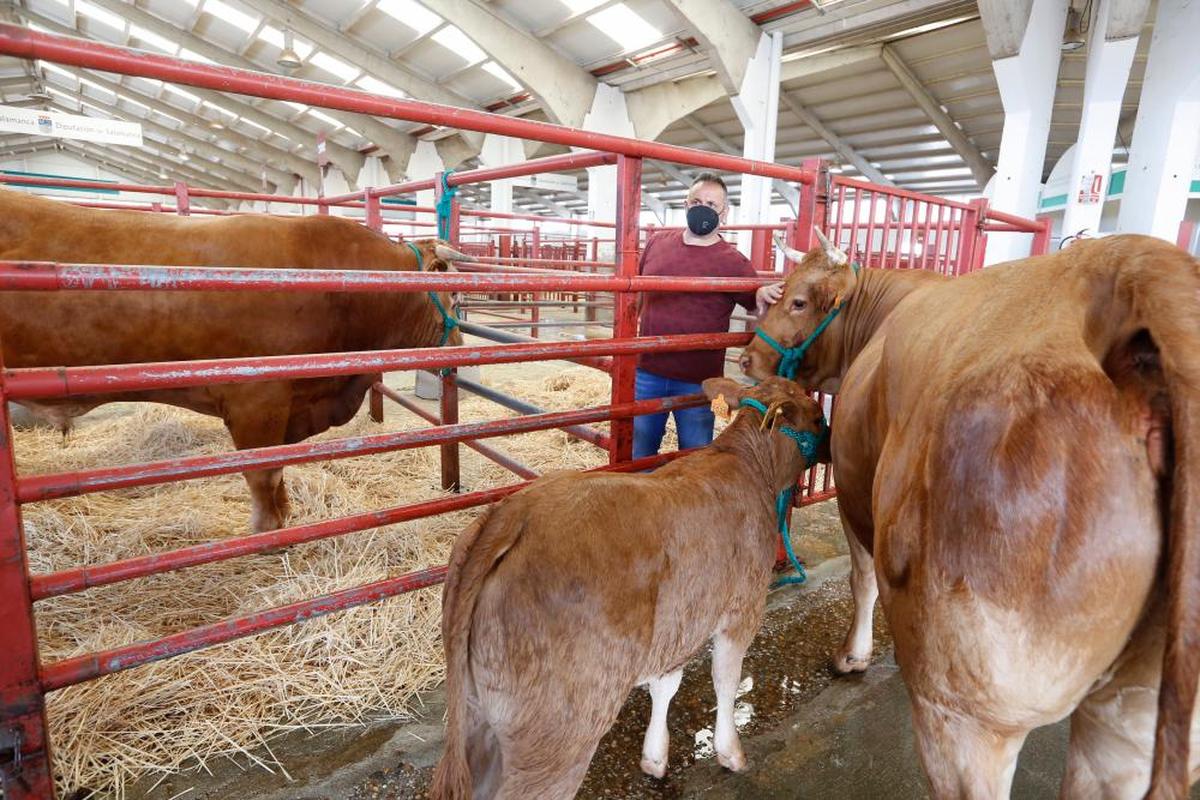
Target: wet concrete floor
{"points": [[806, 733]]}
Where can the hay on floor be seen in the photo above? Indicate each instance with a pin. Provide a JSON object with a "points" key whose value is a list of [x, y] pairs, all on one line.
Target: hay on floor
{"points": [[344, 669]]}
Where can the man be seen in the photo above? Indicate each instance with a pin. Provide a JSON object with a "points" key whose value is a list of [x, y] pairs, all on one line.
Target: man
{"points": [[698, 251]]}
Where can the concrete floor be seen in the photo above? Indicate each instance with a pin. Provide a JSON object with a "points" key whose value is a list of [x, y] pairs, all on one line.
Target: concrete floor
{"points": [[807, 734]]}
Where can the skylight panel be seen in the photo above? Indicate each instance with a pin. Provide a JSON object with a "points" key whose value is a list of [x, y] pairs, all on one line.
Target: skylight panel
{"points": [[580, 6], [376, 86], [412, 14], [625, 27], [335, 66], [328, 120], [100, 15], [184, 93], [497, 71], [226, 12], [153, 39], [457, 42], [274, 37], [193, 56]]}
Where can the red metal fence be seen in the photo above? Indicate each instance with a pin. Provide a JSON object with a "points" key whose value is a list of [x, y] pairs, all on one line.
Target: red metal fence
{"points": [[915, 231]]}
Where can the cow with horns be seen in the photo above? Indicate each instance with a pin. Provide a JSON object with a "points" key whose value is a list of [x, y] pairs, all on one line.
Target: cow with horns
{"points": [[543, 645], [78, 328], [1016, 459]]}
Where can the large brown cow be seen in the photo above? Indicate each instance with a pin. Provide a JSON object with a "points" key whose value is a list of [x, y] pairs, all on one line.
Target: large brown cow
{"points": [[1015, 453], [85, 328], [565, 596]]}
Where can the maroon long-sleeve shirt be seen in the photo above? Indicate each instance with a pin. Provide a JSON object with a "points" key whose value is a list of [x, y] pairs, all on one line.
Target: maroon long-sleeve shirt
{"points": [[690, 312]]}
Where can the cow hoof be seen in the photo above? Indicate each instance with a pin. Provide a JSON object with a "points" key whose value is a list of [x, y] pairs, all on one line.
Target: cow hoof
{"points": [[734, 762], [653, 768], [848, 663]]}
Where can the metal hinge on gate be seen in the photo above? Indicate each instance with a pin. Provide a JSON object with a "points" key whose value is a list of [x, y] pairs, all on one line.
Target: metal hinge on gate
{"points": [[10, 751]]}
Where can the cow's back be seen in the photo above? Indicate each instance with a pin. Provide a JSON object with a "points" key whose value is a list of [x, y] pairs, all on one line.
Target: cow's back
{"points": [[79, 328]]}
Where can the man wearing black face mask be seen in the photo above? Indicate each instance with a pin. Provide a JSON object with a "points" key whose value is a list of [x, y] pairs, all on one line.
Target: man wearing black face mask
{"points": [[698, 252]]}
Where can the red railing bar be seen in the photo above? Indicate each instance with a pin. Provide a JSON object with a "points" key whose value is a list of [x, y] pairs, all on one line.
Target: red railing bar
{"points": [[22, 42], [1022, 224], [892, 191], [490, 453], [69, 484], [43, 382], [482, 212], [52, 276], [82, 668]]}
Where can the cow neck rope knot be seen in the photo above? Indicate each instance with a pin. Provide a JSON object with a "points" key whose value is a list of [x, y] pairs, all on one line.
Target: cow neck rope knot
{"points": [[791, 357], [808, 442], [449, 321], [445, 204]]}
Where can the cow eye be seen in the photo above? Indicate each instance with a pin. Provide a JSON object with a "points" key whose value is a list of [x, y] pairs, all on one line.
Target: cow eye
{"points": [[799, 304]]}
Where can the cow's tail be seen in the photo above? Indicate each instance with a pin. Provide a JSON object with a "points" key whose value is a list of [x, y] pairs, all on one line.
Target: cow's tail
{"points": [[1166, 302], [475, 555]]}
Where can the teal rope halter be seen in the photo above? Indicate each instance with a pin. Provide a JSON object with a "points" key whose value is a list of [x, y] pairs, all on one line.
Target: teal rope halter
{"points": [[445, 204], [791, 357], [809, 443], [449, 321]]}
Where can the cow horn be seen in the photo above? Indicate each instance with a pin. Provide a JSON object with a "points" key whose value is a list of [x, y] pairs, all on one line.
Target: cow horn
{"points": [[792, 255], [835, 255], [447, 253]]}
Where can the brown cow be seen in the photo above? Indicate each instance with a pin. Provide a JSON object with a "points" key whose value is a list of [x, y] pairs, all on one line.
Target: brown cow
{"points": [[41, 329], [1015, 454], [565, 596]]}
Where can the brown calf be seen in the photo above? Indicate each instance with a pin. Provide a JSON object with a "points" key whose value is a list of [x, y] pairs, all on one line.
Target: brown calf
{"points": [[565, 596], [1015, 454]]}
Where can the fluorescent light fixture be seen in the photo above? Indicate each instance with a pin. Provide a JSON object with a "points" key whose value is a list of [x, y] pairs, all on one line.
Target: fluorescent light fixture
{"points": [[100, 15], [238, 19], [376, 86], [499, 72], [412, 14], [153, 39], [185, 94], [580, 6], [335, 66], [457, 42], [625, 27], [328, 120]]}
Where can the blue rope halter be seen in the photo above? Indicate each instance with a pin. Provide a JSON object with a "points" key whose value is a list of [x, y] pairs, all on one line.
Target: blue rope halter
{"points": [[449, 321], [808, 442], [444, 205], [791, 357]]}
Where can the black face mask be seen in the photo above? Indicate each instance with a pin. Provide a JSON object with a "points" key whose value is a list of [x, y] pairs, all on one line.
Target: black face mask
{"points": [[702, 220]]}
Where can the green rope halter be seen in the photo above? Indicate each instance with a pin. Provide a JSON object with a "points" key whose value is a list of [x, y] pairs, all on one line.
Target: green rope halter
{"points": [[444, 206], [449, 321], [790, 357]]}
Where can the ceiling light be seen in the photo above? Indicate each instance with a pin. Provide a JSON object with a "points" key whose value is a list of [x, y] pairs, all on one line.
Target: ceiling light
{"points": [[288, 58]]}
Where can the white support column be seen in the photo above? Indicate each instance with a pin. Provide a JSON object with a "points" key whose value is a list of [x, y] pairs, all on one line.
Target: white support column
{"points": [[1027, 82], [1104, 86], [1166, 136], [424, 163], [757, 107], [499, 151], [610, 115]]}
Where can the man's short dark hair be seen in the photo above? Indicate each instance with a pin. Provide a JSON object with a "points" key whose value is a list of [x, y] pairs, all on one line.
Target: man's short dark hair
{"points": [[710, 177]]}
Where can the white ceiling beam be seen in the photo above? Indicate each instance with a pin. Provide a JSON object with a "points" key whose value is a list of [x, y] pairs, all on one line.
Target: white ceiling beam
{"points": [[981, 168], [840, 145], [655, 108], [789, 193], [564, 88], [299, 166], [728, 36], [1004, 24], [392, 141]]}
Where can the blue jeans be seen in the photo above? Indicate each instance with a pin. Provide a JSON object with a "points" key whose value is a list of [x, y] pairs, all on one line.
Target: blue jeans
{"points": [[694, 425]]}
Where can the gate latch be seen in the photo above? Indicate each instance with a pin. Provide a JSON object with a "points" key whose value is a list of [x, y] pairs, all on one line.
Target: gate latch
{"points": [[10, 751]]}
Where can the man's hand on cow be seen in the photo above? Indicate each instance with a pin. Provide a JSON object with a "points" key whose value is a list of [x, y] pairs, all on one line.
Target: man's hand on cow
{"points": [[767, 296]]}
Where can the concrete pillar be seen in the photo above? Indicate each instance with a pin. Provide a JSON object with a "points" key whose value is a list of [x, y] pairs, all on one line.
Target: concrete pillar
{"points": [[1027, 82], [425, 162], [499, 151], [757, 107], [1166, 135], [610, 115], [1104, 87]]}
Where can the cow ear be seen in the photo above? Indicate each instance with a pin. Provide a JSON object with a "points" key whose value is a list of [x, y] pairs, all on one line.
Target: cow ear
{"points": [[725, 394]]}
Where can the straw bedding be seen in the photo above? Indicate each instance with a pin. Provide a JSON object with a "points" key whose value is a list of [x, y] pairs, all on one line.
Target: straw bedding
{"points": [[366, 663]]}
